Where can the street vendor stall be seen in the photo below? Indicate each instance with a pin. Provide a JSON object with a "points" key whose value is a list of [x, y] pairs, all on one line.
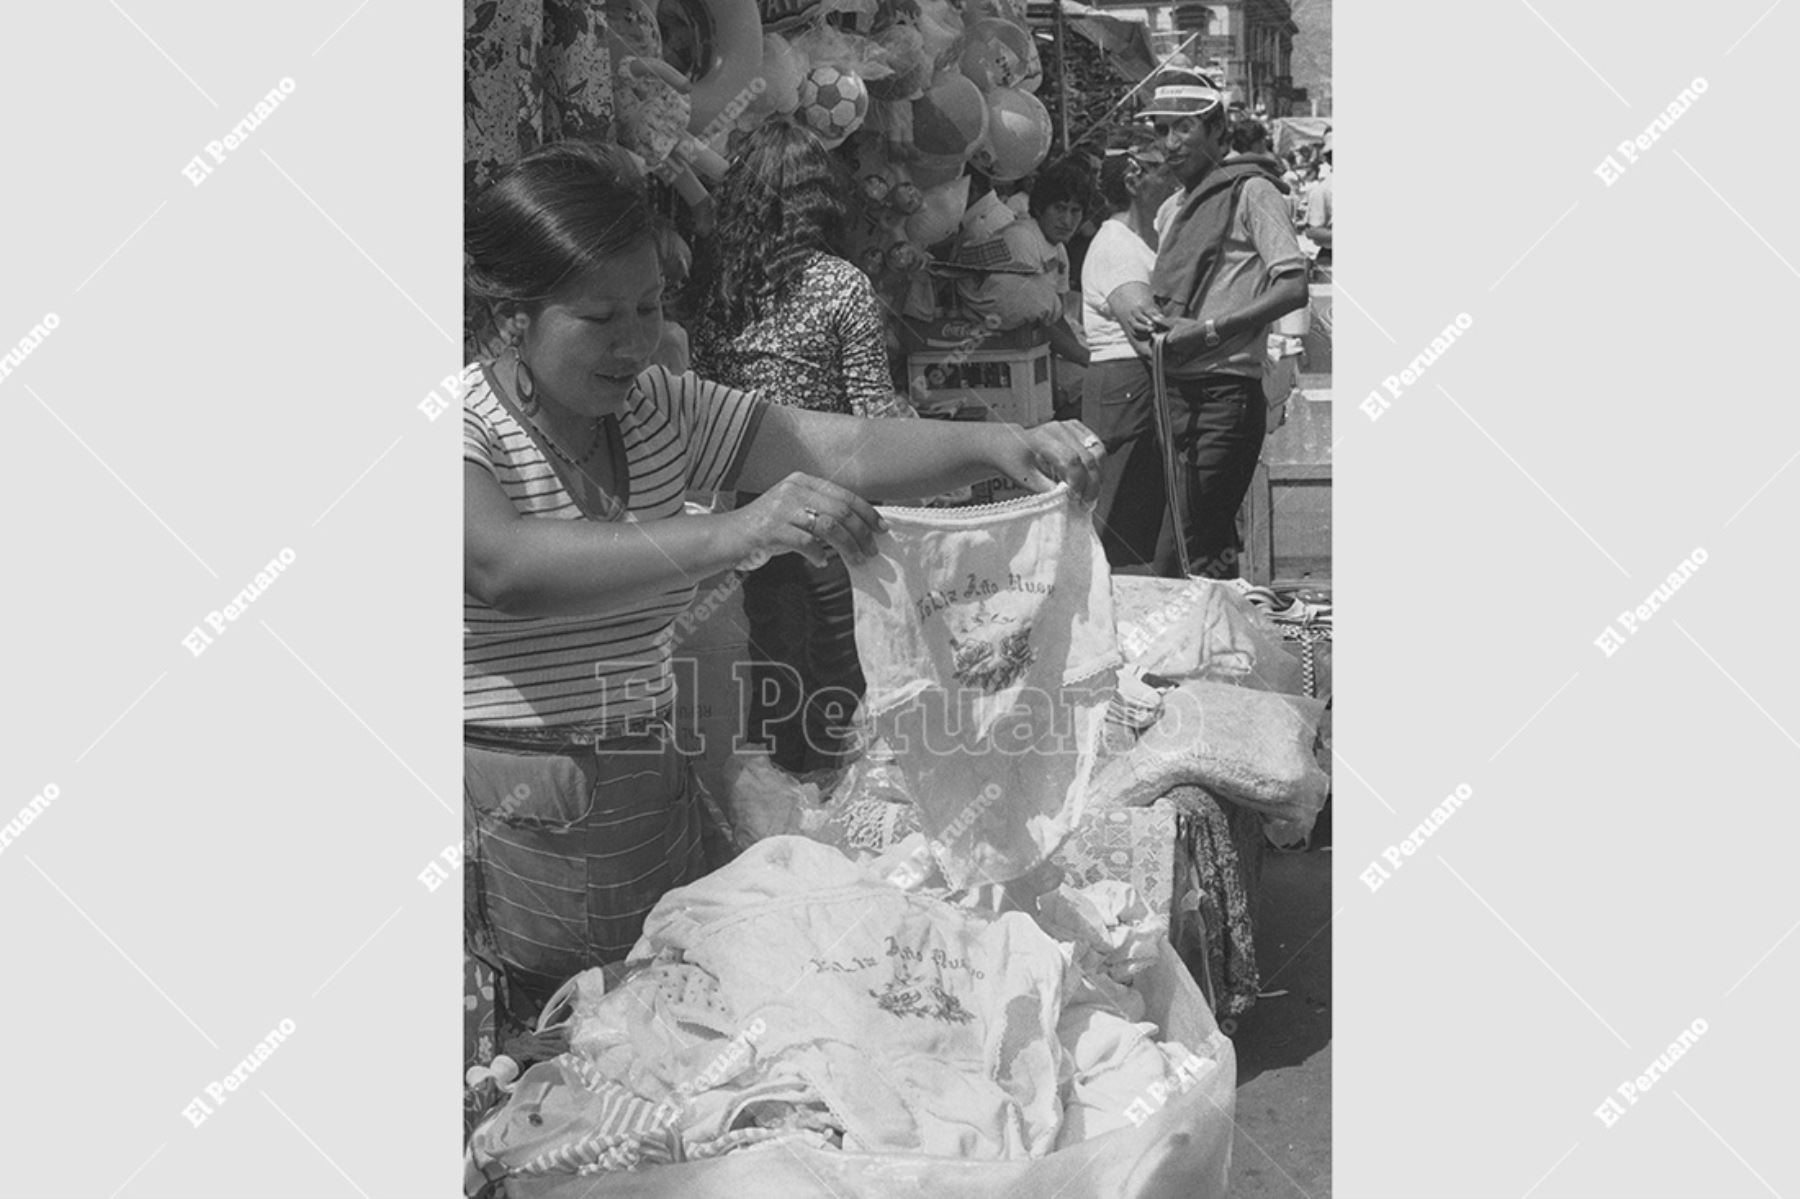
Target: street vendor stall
{"points": [[952, 967], [991, 954], [1291, 133]]}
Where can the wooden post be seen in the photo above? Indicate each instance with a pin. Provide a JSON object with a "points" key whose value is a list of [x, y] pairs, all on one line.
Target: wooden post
{"points": [[1062, 74]]}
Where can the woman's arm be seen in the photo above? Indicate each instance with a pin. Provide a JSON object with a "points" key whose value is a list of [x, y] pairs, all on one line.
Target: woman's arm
{"points": [[813, 468], [922, 457], [862, 334], [1066, 345], [531, 566]]}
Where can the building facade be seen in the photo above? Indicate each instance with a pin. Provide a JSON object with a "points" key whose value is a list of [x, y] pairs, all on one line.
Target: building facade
{"points": [[1274, 55], [1312, 58], [1247, 44]]}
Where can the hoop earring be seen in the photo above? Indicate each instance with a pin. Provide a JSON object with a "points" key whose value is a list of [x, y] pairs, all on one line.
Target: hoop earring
{"points": [[524, 382]]}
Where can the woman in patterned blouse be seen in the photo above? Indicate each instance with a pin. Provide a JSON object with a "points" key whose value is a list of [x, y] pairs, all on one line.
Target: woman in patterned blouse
{"points": [[780, 314]]}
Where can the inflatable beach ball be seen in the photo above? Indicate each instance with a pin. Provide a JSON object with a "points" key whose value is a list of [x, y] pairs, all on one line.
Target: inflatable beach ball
{"points": [[997, 54], [833, 102], [1018, 135], [949, 121]]}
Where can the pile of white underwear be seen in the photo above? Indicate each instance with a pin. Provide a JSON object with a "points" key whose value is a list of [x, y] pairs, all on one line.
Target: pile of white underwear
{"points": [[796, 995]]}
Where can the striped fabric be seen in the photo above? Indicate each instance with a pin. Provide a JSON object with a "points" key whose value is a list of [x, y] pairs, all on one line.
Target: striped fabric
{"points": [[681, 434], [613, 1129], [589, 1124]]}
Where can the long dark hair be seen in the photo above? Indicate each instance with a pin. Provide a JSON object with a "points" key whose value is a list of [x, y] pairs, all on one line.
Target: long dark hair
{"points": [[782, 200], [1114, 173], [549, 218]]}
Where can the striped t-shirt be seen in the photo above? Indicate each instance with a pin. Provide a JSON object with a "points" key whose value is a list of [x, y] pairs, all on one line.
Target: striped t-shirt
{"points": [[681, 434]]}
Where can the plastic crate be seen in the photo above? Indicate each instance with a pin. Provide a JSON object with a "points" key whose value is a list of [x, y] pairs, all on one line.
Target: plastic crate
{"points": [[1011, 385]]}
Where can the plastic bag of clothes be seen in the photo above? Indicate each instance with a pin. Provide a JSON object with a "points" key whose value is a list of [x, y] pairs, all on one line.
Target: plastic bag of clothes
{"points": [[1178, 1144], [1256, 749], [988, 1065], [763, 800], [1201, 629]]}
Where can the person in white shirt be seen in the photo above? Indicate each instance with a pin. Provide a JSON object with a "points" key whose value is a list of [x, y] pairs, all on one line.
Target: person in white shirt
{"points": [[1318, 211], [1116, 394]]}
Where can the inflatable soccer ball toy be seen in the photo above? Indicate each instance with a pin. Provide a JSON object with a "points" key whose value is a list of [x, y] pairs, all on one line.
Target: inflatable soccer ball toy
{"points": [[833, 102]]}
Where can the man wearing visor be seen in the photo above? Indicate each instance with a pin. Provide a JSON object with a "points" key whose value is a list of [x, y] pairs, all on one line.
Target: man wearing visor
{"points": [[1227, 265]]}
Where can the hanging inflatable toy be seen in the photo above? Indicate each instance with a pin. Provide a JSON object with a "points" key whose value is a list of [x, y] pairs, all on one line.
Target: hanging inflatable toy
{"points": [[940, 23], [1011, 11], [717, 46], [790, 16], [950, 118], [997, 54], [877, 185], [1029, 75], [948, 122], [783, 70], [905, 197], [653, 104], [902, 47], [833, 101], [940, 213], [868, 159], [905, 283], [903, 258], [935, 173], [1018, 135]]}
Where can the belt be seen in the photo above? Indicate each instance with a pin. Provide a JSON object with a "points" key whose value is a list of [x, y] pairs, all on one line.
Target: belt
{"points": [[560, 738]]}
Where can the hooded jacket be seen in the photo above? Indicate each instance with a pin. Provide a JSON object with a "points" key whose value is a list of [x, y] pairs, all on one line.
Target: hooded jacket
{"points": [[1189, 254]]}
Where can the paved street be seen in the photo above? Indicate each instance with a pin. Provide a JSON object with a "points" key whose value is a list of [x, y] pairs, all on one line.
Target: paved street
{"points": [[1283, 1144]]}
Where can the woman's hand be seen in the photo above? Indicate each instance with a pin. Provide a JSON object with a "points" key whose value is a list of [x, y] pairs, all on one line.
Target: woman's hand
{"points": [[812, 517], [1058, 452]]}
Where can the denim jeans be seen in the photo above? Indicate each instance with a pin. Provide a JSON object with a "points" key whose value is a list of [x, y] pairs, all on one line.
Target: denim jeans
{"points": [[1219, 422], [1116, 404]]}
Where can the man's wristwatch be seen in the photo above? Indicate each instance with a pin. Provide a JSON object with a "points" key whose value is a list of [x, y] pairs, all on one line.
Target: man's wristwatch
{"points": [[1209, 330]]}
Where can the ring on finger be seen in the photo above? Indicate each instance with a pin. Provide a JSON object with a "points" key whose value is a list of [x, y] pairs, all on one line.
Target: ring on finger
{"points": [[812, 524]]}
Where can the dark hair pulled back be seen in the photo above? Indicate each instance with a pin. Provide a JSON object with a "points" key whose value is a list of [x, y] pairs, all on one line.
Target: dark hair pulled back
{"points": [[1113, 175], [549, 218]]}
